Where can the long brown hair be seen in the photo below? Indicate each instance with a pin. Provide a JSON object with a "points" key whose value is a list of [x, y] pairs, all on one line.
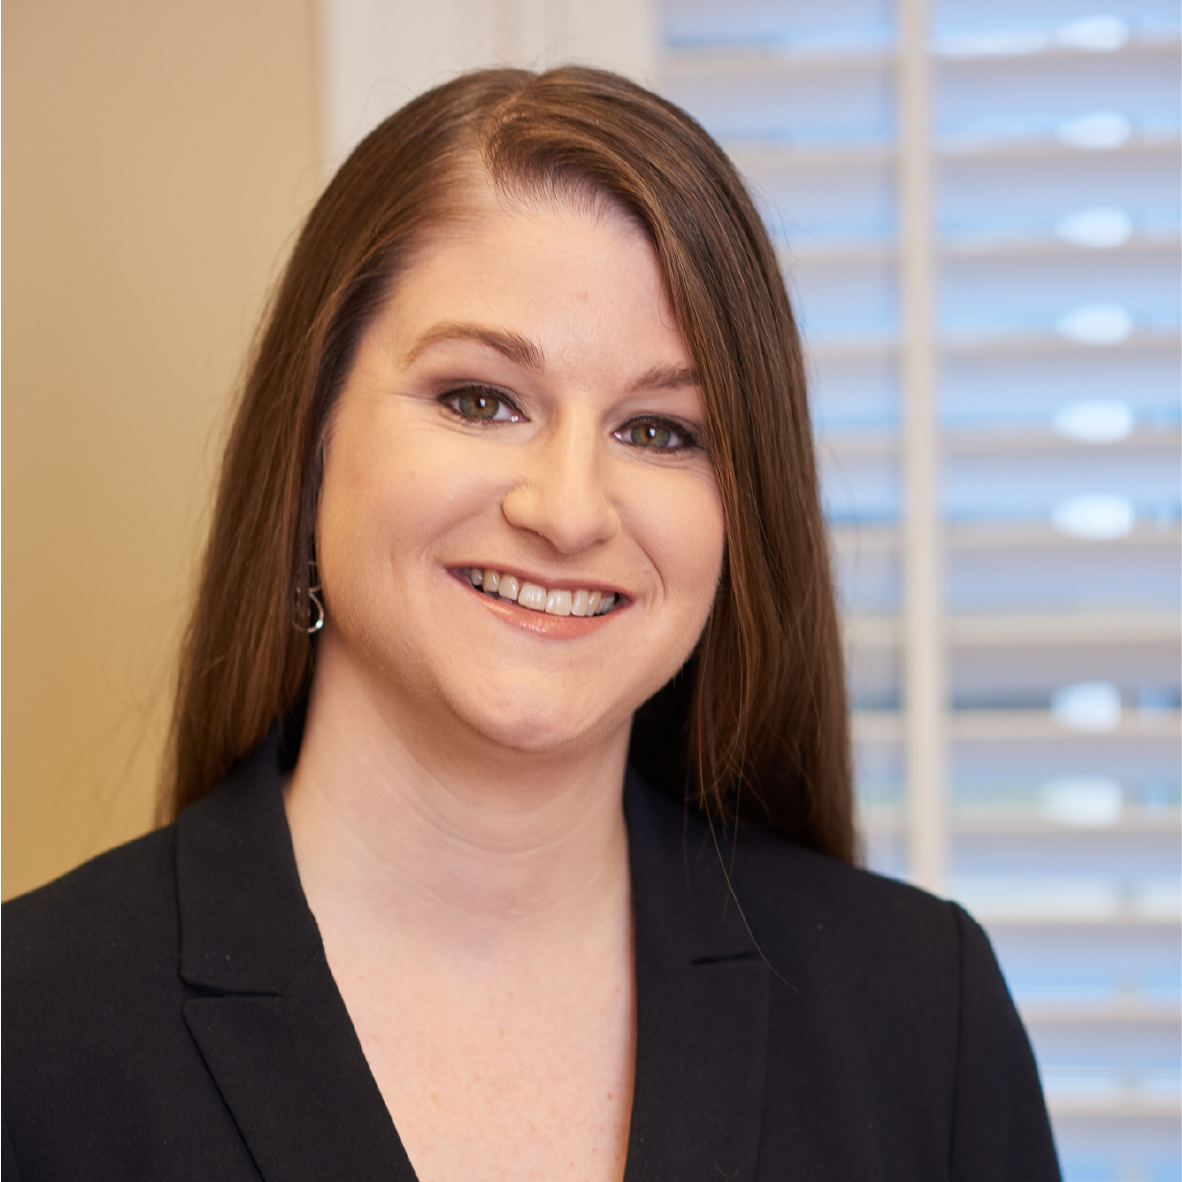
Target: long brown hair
{"points": [[755, 725]]}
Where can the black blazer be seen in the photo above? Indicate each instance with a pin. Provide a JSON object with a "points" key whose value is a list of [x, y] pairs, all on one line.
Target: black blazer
{"points": [[169, 1014]]}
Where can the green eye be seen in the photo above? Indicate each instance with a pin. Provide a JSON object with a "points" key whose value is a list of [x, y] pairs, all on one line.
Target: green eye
{"points": [[650, 435], [475, 405]]}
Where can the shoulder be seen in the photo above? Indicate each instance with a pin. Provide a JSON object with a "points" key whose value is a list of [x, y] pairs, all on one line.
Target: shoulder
{"points": [[896, 1001], [101, 1075], [786, 893], [867, 953], [793, 892], [860, 943], [883, 945], [107, 927]]}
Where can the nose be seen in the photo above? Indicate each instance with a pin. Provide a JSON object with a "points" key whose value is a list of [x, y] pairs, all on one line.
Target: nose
{"points": [[561, 494]]}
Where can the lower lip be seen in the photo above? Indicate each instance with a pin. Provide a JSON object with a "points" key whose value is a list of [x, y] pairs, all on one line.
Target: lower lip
{"points": [[539, 623]]}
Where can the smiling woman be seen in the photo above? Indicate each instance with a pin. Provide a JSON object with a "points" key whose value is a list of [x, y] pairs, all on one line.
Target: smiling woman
{"points": [[511, 409], [509, 813], [757, 727]]}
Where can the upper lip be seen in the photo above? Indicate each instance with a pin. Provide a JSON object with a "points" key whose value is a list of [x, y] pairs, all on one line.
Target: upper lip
{"points": [[550, 582]]}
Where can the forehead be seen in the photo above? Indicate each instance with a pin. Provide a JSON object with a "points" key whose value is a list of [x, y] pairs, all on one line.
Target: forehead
{"points": [[478, 196], [488, 219], [554, 268]]}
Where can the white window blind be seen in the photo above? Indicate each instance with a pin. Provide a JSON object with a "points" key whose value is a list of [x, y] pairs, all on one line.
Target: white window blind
{"points": [[977, 204]]}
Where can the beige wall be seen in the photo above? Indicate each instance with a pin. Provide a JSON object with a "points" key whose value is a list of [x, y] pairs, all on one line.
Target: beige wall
{"points": [[157, 158]]}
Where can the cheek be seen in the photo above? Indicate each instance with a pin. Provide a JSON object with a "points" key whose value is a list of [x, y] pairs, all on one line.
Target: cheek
{"points": [[395, 493], [679, 522], [374, 507]]}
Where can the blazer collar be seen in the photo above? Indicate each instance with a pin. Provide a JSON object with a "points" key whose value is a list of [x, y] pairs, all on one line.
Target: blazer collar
{"points": [[703, 992], [271, 1025], [275, 1034], [245, 924]]}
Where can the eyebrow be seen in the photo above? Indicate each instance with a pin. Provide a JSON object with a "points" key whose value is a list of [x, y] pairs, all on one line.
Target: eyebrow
{"points": [[523, 351], [665, 377], [517, 348]]}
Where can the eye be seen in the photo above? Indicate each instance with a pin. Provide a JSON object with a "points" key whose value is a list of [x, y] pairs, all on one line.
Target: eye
{"points": [[656, 435], [478, 404]]}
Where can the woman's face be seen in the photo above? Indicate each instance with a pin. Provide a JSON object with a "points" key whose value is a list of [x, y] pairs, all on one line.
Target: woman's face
{"points": [[524, 404]]}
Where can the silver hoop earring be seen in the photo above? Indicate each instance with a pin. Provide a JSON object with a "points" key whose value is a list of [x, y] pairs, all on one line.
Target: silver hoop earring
{"points": [[314, 596], [314, 592]]}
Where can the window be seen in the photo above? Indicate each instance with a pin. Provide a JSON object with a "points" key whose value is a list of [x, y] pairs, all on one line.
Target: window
{"points": [[978, 210]]}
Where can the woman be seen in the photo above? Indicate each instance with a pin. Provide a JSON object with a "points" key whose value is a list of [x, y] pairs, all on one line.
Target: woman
{"points": [[521, 490]]}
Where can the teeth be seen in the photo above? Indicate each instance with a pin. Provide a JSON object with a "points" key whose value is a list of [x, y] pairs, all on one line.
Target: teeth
{"points": [[532, 596], [558, 602]]}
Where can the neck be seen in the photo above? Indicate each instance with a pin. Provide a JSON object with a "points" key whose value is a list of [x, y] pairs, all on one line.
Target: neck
{"points": [[407, 833]]}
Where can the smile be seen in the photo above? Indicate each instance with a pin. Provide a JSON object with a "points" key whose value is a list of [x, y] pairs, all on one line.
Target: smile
{"points": [[556, 601]]}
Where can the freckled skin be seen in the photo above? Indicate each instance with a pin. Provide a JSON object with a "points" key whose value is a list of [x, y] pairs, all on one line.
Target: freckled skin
{"points": [[456, 810]]}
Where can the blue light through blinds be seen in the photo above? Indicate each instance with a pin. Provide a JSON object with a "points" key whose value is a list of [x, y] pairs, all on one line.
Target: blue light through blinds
{"points": [[1055, 132]]}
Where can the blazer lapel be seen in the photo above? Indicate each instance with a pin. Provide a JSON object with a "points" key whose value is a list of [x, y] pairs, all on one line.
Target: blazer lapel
{"points": [[703, 992], [270, 1023]]}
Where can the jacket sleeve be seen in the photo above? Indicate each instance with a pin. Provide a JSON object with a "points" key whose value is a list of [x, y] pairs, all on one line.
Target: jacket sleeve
{"points": [[8, 1170], [1001, 1131]]}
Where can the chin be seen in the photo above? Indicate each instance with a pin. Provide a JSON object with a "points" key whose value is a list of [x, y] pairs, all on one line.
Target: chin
{"points": [[536, 727]]}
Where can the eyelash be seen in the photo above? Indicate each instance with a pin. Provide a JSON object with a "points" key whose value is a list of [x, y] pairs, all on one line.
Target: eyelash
{"points": [[452, 397], [688, 439]]}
